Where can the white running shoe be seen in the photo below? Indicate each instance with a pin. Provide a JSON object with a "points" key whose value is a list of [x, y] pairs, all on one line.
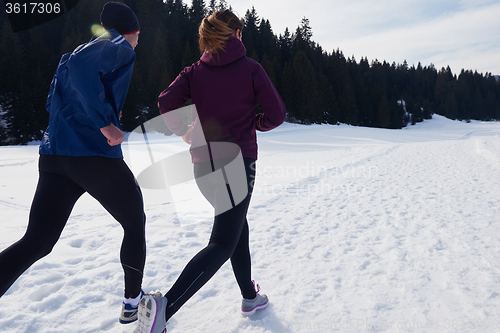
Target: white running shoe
{"points": [[250, 306], [152, 314], [129, 312]]}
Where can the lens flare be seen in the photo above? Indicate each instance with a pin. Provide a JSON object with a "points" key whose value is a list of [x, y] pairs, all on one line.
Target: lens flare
{"points": [[98, 30]]}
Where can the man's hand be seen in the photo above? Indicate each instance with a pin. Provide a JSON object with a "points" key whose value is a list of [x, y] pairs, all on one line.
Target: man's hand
{"points": [[114, 135]]}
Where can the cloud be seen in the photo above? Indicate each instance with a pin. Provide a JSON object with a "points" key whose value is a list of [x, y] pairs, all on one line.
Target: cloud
{"points": [[465, 39], [462, 34]]}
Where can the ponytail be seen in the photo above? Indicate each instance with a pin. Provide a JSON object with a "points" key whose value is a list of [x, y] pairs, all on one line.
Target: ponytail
{"points": [[216, 29]]}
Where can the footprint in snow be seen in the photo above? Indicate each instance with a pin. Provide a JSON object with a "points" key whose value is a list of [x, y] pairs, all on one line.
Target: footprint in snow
{"points": [[76, 243], [74, 261], [45, 291], [50, 304]]}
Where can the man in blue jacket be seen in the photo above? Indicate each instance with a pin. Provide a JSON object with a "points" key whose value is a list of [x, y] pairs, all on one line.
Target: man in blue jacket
{"points": [[80, 152]]}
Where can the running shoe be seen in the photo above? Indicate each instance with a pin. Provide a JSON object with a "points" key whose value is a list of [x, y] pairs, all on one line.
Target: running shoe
{"points": [[250, 306], [129, 312], [152, 316]]}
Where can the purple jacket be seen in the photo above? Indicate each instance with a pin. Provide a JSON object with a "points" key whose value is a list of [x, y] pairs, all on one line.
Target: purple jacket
{"points": [[225, 91]]}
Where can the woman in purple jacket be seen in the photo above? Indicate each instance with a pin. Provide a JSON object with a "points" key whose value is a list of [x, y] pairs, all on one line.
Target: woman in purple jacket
{"points": [[225, 86]]}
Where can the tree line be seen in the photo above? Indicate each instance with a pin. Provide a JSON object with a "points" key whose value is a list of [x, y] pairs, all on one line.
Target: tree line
{"points": [[317, 86]]}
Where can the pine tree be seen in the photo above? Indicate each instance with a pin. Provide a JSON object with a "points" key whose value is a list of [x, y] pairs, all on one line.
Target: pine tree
{"points": [[464, 89], [147, 80], [316, 86], [267, 43], [13, 99], [251, 32], [306, 31], [450, 107], [383, 113], [306, 90], [285, 45], [197, 12], [478, 109], [286, 83], [76, 29], [212, 7], [222, 5]]}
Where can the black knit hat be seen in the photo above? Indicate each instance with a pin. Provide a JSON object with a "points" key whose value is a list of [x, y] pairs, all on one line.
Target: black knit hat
{"points": [[119, 16]]}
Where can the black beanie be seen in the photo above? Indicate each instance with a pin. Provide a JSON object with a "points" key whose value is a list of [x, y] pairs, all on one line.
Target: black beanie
{"points": [[119, 16]]}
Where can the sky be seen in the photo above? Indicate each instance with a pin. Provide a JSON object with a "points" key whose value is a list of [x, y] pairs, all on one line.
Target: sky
{"points": [[462, 34]]}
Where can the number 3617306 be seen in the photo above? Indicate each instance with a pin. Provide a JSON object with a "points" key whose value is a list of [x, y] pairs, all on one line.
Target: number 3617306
{"points": [[32, 8]]}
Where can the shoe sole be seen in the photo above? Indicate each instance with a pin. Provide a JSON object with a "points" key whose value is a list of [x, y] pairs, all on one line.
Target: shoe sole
{"points": [[129, 317], [127, 321], [254, 310], [147, 315]]}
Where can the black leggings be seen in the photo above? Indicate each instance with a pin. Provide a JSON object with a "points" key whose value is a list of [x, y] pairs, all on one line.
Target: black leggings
{"points": [[62, 181], [229, 240]]}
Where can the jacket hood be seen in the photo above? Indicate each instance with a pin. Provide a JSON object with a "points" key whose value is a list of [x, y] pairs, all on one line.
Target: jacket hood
{"points": [[234, 49]]}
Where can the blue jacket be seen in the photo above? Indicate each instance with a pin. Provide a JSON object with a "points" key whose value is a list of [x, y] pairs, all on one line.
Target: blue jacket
{"points": [[87, 93]]}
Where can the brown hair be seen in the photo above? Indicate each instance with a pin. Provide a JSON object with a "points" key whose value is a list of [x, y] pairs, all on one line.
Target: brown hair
{"points": [[216, 29]]}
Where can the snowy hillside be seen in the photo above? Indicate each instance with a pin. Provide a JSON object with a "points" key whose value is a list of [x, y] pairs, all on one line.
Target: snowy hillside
{"points": [[352, 229]]}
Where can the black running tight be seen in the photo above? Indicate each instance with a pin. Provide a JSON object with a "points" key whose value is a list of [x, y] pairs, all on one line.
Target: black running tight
{"points": [[62, 181], [229, 240]]}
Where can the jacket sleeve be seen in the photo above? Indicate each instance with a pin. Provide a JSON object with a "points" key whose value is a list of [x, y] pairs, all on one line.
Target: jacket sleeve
{"points": [[173, 98], [103, 89], [51, 93], [63, 60], [115, 81], [274, 110]]}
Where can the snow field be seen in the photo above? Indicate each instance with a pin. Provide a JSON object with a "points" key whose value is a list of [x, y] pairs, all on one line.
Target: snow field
{"points": [[352, 229]]}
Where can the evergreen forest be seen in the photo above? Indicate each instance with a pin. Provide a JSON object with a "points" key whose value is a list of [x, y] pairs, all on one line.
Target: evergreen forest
{"points": [[317, 85]]}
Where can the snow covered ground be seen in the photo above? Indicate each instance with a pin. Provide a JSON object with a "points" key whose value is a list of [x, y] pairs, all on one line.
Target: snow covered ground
{"points": [[352, 229]]}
